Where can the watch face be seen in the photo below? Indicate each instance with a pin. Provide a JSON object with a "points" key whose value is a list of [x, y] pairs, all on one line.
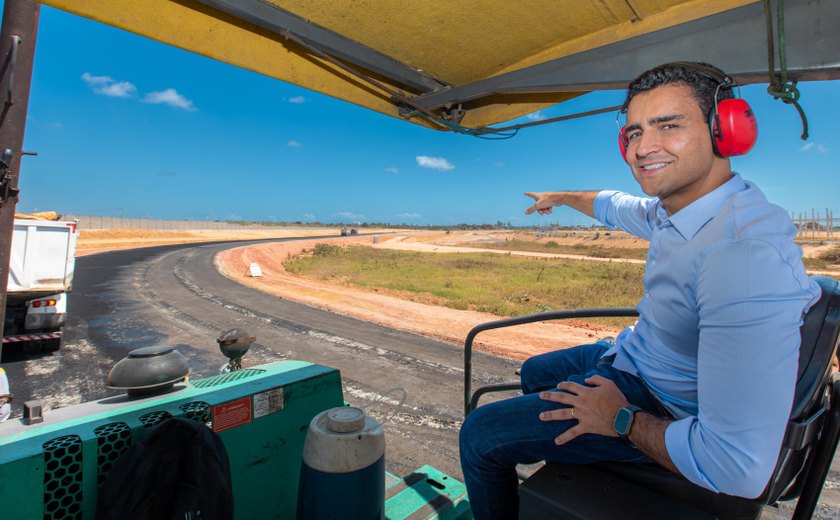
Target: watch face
{"points": [[622, 421]]}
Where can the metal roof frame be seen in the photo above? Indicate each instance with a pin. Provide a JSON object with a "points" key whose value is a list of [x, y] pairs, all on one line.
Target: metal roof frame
{"points": [[737, 38], [282, 22]]}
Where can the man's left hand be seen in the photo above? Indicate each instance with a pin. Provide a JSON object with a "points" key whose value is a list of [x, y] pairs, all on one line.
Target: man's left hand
{"points": [[594, 407]]}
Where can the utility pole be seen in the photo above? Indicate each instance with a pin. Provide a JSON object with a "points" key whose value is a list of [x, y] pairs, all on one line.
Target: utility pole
{"points": [[17, 57]]}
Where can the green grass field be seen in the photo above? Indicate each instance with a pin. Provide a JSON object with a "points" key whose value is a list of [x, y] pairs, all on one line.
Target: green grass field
{"points": [[550, 246], [499, 284], [503, 285]]}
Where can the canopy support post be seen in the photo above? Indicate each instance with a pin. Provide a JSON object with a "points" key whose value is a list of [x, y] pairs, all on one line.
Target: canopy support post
{"points": [[17, 57]]}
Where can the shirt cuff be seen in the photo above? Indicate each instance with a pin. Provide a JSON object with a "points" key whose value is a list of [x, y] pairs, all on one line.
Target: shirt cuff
{"points": [[602, 204], [677, 436]]}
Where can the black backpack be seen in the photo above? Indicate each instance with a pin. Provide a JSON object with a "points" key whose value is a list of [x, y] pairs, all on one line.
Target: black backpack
{"points": [[179, 470]]}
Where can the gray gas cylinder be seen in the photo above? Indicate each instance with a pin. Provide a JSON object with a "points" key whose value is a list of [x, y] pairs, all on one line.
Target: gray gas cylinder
{"points": [[343, 470]]}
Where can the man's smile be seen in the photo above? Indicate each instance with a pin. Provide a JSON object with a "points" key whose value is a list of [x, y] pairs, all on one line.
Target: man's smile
{"points": [[650, 168]]}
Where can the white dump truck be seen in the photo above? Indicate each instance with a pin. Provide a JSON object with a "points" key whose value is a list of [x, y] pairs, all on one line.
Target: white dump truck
{"points": [[41, 268]]}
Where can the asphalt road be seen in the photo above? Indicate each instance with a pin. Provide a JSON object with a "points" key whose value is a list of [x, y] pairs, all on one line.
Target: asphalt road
{"points": [[173, 295]]}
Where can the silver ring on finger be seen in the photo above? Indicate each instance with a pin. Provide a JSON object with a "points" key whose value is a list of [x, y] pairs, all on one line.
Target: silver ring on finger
{"points": [[573, 412]]}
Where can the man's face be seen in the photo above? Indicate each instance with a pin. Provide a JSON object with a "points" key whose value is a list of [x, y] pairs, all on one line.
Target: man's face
{"points": [[669, 148]]}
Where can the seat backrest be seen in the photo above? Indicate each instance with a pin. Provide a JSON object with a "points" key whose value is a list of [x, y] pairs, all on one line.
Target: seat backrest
{"points": [[819, 333]]}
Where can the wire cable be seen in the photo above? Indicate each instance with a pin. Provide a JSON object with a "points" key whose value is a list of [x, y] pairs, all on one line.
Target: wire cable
{"points": [[780, 88]]}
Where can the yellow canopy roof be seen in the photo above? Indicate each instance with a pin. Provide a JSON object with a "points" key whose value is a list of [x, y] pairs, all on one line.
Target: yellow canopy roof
{"points": [[446, 43]]}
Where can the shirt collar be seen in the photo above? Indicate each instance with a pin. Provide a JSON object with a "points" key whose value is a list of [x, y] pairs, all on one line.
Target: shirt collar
{"points": [[691, 218]]}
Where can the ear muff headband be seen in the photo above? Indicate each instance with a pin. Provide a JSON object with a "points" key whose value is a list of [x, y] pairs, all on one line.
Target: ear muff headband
{"points": [[732, 124]]}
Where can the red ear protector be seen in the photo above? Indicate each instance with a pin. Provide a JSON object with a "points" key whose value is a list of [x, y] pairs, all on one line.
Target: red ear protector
{"points": [[732, 124]]}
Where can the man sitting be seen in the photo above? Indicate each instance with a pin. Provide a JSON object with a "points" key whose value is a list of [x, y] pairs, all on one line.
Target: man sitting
{"points": [[703, 383]]}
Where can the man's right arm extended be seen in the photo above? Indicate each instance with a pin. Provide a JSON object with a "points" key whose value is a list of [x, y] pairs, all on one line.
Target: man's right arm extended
{"points": [[582, 201]]}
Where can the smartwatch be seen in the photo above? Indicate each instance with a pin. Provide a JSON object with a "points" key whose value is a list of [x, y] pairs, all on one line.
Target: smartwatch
{"points": [[623, 421]]}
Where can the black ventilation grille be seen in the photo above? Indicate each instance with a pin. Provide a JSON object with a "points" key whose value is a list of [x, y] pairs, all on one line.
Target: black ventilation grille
{"points": [[112, 440], [198, 411], [152, 418], [63, 478]]}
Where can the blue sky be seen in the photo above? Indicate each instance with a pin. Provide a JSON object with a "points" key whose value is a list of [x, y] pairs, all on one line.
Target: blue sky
{"points": [[126, 125]]}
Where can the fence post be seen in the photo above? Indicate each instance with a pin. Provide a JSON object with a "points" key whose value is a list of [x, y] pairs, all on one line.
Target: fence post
{"points": [[800, 234]]}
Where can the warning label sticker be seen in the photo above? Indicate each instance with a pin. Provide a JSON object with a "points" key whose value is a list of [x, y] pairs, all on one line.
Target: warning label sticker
{"points": [[232, 414], [268, 402]]}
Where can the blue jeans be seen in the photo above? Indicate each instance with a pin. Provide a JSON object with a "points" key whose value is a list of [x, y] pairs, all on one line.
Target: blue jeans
{"points": [[498, 436]]}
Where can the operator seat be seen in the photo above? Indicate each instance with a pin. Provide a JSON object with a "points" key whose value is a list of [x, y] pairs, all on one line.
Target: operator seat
{"points": [[563, 491]]}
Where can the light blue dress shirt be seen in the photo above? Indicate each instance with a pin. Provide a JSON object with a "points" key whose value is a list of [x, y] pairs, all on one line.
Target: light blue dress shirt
{"points": [[717, 339]]}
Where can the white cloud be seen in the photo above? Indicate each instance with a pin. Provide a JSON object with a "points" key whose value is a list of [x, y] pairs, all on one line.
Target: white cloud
{"points": [[435, 163], [350, 215], [170, 97], [392, 169], [807, 147], [90, 79], [536, 116], [294, 144], [499, 164], [412, 216], [307, 216], [119, 89], [107, 86], [297, 100]]}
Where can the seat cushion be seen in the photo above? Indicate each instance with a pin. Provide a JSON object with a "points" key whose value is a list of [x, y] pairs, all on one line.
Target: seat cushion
{"points": [[658, 479], [586, 492]]}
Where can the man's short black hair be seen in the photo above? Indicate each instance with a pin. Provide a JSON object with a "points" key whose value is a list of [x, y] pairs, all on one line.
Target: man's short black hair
{"points": [[702, 78]]}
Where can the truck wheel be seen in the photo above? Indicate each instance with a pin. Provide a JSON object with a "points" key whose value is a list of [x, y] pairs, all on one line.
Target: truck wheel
{"points": [[52, 345]]}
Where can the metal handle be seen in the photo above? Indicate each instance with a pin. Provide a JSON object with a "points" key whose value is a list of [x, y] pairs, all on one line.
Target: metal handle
{"points": [[521, 320]]}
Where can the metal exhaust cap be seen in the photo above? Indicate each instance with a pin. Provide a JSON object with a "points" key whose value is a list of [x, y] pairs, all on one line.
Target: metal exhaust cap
{"points": [[148, 370]]}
